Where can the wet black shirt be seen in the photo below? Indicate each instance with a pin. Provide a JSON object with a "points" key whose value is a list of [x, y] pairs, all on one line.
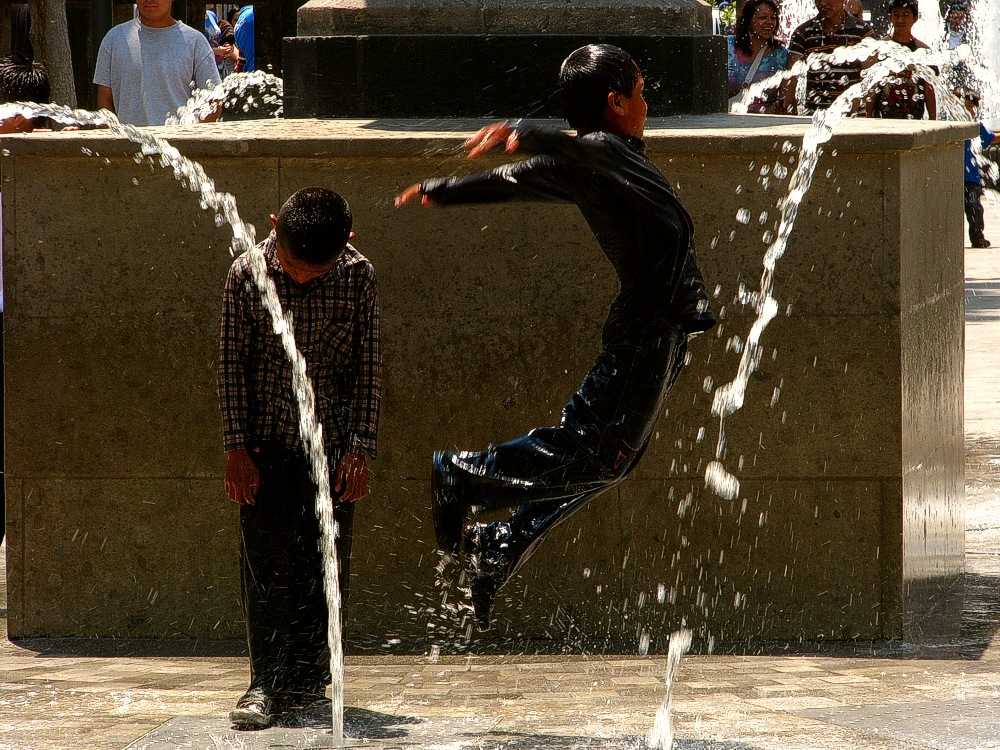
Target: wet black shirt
{"points": [[637, 219]]}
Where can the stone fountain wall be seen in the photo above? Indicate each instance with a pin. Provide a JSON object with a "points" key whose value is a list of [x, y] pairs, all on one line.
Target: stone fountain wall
{"points": [[850, 521]]}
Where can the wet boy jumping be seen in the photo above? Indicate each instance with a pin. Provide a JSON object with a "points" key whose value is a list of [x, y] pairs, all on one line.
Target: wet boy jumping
{"points": [[648, 236]]}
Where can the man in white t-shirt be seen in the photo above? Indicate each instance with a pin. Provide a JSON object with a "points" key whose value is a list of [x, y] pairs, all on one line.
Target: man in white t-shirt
{"points": [[149, 66]]}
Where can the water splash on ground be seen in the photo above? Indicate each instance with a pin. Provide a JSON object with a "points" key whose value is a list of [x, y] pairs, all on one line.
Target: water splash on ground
{"points": [[661, 736]]}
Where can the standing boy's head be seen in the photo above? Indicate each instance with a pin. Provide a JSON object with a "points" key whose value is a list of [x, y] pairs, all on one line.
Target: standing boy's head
{"points": [[601, 89], [312, 228], [314, 225]]}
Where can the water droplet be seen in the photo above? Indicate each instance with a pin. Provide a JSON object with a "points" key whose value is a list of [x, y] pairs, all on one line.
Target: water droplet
{"points": [[135, 180], [707, 384], [767, 237], [644, 644], [715, 242], [721, 482], [829, 173], [765, 170], [743, 216], [739, 189], [762, 219]]}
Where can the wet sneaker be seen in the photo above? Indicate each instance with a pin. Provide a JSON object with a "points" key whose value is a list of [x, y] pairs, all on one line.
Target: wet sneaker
{"points": [[488, 569], [255, 710], [448, 512], [981, 242]]}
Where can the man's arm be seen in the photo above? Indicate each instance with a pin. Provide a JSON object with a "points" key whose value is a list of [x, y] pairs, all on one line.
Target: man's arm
{"points": [[105, 98], [103, 78], [206, 73], [930, 101], [789, 85]]}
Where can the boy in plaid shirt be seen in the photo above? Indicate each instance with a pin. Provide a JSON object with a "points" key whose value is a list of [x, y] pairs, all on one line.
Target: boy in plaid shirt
{"points": [[329, 289]]}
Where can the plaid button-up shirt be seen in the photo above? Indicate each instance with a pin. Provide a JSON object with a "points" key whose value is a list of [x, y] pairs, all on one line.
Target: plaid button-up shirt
{"points": [[336, 325]]}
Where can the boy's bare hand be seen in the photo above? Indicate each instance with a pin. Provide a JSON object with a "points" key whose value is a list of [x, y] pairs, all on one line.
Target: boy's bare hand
{"points": [[351, 479], [409, 194], [242, 479], [492, 136]]}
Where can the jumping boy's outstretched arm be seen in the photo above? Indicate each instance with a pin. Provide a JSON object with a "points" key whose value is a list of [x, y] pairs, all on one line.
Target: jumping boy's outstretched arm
{"points": [[485, 140], [534, 179]]}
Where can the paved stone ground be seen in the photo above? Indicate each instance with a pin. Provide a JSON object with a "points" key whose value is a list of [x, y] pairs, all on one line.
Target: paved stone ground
{"points": [[70, 698]]}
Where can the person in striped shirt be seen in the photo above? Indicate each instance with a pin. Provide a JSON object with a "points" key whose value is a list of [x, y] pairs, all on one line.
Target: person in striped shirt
{"points": [[833, 27]]}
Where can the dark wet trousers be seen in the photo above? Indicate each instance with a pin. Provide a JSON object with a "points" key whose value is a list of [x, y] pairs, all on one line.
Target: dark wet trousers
{"points": [[552, 472], [282, 575], [974, 210]]}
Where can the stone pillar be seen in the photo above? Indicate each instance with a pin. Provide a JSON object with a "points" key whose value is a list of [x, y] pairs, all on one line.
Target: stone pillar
{"points": [[486, 58]]}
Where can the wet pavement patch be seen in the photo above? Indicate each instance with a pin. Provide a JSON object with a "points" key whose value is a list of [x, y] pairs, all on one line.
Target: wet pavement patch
{"points": [[941, 725], [362, 728], [380, 731]]}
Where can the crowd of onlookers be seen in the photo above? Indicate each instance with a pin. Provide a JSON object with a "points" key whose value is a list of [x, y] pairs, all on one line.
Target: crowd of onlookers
{"points": [[756, 54], [232, 39]]}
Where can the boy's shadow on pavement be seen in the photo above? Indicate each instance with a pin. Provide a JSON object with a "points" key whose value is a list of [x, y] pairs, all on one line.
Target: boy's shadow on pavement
{"points": [[364, 724]]}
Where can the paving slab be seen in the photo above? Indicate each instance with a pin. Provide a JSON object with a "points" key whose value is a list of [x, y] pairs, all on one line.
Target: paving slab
{"points": [[941, 725]]}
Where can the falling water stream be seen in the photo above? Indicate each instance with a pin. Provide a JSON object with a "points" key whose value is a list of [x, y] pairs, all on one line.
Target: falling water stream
{"points": [[893, 60]]}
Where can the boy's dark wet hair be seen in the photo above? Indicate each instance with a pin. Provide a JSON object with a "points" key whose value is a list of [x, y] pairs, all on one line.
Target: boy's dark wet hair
{"points": [[586, 78], [314, 225], [23, 81]]}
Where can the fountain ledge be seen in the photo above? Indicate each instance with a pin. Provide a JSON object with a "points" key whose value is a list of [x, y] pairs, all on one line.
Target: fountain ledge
{"points": [[696, 134]]}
